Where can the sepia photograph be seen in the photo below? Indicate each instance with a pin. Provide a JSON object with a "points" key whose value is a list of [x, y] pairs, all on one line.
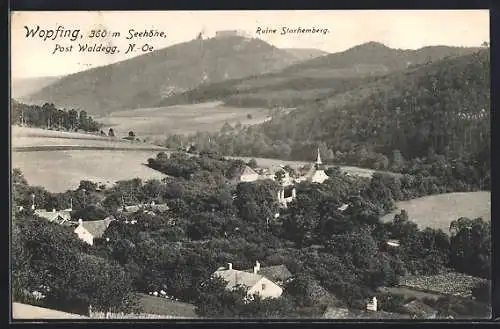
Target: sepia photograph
{"points": [[287, 164]]}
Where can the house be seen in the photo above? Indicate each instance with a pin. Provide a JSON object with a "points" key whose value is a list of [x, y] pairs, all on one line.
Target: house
{"points": [[420, 310], [343, 207], [164, 306], [59, 217], [317, 172], [90, 230], [284, 199], [279, 274], [393, 243], [130, 209], [246, 174], [253, 282]]}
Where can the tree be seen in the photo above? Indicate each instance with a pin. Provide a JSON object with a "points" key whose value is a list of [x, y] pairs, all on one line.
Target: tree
{"points": [[252, 163], [131, 134], [87, 185], [111, 132], [471, 246]]}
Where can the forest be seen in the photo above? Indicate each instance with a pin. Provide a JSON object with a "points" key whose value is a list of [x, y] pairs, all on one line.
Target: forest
{"points": [[213, 220], [426, 116], [48, 116]]}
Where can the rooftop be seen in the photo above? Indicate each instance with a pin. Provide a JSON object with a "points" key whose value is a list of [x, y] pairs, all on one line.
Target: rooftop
{"points": [[274, 273], [236, 277], [97, 227], [54, 215]]}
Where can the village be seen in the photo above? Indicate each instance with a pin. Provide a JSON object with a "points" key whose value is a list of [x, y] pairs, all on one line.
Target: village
{"points": [[263, 281]]}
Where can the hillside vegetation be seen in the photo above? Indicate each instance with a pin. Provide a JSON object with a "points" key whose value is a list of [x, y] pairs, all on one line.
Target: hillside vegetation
{"points": [[318, 78], [434, 118], [144, 80]]}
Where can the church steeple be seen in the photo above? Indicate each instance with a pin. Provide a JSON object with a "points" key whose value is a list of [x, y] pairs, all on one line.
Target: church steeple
{"points": [[318, 160]]}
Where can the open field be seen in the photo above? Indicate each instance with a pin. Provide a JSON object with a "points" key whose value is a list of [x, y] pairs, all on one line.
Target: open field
{"points": [[30, 312], [179, 119], [58, 171], [24, 138], [438, 211]]}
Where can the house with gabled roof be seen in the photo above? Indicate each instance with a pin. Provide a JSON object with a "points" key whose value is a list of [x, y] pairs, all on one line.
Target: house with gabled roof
{"points": [[253, 282], [59, 217], [90, 230]]}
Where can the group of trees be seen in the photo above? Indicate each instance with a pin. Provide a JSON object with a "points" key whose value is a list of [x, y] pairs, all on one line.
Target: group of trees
{"points": [[211, 222], [50, 117]]}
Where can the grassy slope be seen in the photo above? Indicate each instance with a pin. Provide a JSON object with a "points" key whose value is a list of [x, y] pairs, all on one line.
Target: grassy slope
{"points": [[180, 119], [438, 211]]}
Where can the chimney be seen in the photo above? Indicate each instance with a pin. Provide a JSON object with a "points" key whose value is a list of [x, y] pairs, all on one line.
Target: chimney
{"points": [[294, 193], [229, 266], [80, 221], [53, 210], [255, 270]]}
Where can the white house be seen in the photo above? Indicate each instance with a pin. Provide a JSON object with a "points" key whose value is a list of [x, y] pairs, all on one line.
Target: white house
{"points": [[89, 230], [253, 282]]}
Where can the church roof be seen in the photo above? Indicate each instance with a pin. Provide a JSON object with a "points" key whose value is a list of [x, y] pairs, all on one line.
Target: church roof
{"points": [[246, 170]]}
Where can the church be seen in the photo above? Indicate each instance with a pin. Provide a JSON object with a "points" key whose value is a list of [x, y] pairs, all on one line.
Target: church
{"points": [[317, 172]]}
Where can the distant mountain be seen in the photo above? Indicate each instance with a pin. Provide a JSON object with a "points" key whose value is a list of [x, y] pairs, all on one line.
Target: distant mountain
{"points": [[144, 80], [317, 78], [23, 87], [304, 54]]}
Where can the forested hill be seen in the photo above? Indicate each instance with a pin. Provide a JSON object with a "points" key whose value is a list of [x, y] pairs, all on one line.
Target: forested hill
{"points": [[317, 78], [144, 80], [441, 108], [444, 106]]}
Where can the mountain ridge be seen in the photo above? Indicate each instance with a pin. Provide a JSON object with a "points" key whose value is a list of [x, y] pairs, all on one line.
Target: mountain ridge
{"points": [[143, 80]]}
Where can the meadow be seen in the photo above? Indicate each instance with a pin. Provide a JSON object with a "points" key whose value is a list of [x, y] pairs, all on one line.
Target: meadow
{"points": [[438, 211], [180, 119], [61, 170]]}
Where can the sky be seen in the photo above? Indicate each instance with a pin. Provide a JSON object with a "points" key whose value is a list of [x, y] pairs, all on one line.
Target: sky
{"points": [[410, 29]]}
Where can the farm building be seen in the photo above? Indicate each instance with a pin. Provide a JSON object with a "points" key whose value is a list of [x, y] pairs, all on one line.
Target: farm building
{"points": [[255, 283], [90, 230]]}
